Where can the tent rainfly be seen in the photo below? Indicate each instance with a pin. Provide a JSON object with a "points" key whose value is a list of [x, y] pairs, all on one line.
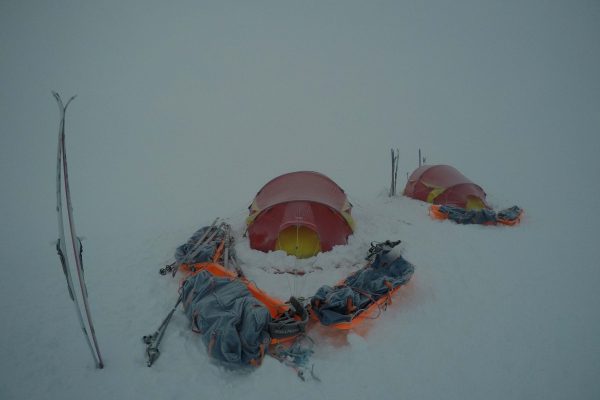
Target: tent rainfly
{"points": [[301, 213], [443, 184]]}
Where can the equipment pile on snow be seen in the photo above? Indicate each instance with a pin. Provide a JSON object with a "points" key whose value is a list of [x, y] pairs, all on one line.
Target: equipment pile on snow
{"points": [[365, 292], [509, 216], [238, 321], [233, 324], [240, 324]]}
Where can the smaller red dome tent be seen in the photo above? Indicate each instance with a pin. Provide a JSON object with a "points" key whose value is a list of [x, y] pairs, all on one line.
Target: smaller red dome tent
{"points": [[443, 184], [301, 213]]}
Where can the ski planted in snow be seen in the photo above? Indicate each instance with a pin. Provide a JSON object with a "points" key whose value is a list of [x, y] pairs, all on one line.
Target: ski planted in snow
{"points": [[62, 188], [395, 155]]}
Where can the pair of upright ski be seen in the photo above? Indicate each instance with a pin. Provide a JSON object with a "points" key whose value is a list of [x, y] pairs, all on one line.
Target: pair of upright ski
{"points": [[77, 293]]}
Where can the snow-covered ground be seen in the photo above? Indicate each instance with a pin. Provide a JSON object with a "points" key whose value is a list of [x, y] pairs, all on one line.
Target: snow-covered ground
{"points": [[185, 111]]}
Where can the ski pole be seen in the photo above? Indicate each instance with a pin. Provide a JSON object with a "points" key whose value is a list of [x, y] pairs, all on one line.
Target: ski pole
{"points": [[153, 341]]}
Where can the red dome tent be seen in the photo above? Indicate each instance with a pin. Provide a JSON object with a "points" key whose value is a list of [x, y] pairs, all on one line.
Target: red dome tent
{"points": [[301, 213], [443, 184]]}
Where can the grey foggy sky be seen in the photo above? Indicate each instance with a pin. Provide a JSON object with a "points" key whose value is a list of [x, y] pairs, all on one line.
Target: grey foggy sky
{"points": [[198, 97]]}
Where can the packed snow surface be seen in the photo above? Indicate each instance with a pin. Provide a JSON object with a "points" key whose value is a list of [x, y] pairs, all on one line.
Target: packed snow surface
{"points": [[185, 110]]}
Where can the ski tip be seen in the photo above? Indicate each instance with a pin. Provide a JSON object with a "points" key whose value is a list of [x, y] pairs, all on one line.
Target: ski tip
{"points": [[62, 105]]}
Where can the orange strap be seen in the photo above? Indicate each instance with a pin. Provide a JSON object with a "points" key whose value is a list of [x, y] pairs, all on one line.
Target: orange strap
{"points": [[257, 361], [211, 344]]}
